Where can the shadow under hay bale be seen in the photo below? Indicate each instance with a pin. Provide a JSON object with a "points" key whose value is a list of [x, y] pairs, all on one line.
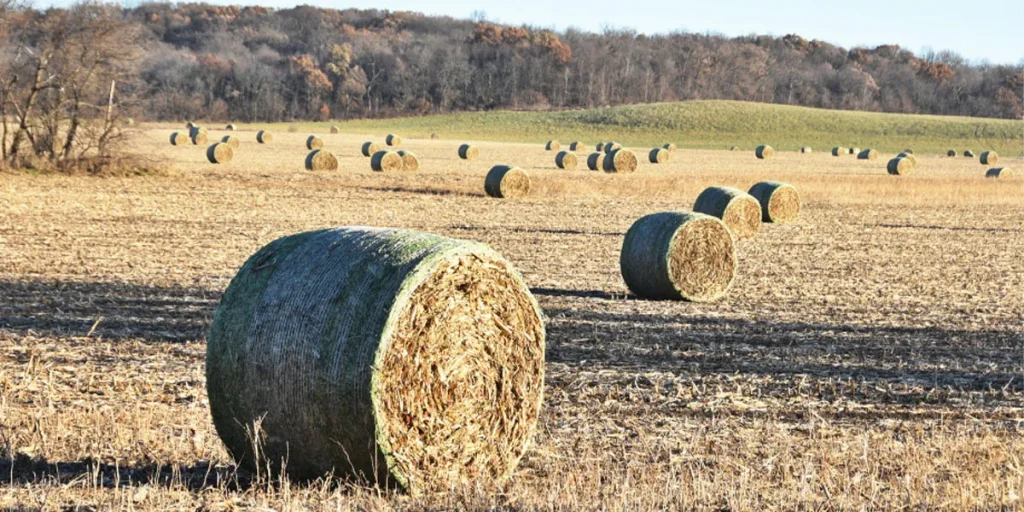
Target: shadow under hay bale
{"points": [[780, 202], [507, 182], [764, 152], [566, 160], [219, 153], [264, 137], [386, 161], [321, 160], [314, 142], [740, 211], [468, 152]]}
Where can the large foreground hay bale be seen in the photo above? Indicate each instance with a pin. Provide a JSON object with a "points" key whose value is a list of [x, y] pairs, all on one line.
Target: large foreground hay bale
{"points": [[740, 211], [552, 145], [780, 202], [989, 157], [868, 154], [838, 151], [951, 152], [610, 147], [566, 160], [620, 160], [900, 166], [468, 152], [370, 148], [393, 140], [264, 137], [321, 160], [199, 136], [764, 152], [179, 139], [658, 156], [678, 255], [232, 141], [506, 181], [1000, 172], [670, 147], [908, 151], [219, 153], [969, 154], [806, 149], [594, 161], [314, 142], [410, 162], [386, 161], [335, 130], [576, 146], [387, 355]]}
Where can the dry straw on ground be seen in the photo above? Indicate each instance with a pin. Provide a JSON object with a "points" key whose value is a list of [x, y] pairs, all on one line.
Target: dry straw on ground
{"points": [[321, 160], [437, 381], [806, 149], [264, 137], [335, 130], [386, 161], [678, 255], [999, 172], [611, 146], [868, 154], [968, 153], [670, 147], [577, 146], [198, 135], [780, 202], [989, 158], [370, 148], [740, 211], [552, 145], [658, 155], [764, 152], [314, 142], [179, 139], [507, 182], [468, 152], [219, 153], [594, 161], [566, 160], [620, 161], [231, 140], [393, 140], [900, 166], [410, 162], [838, 151]]}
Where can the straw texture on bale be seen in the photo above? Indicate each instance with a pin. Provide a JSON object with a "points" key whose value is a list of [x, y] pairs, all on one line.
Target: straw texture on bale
{"points": [[467, 152], [670, 147], [386, 161], [370, 148], [989, 157], [321, 160], [868, 154], [611, 147], [232, 141], [951, 152], [264, 137], [900, 166], [178, 139], [780, 202], [594, 161], [969, 154], [230, 127], [506, 181], [335, 130], [566, 160], [678, 255], [764, 152], [658, 155], [409, 161], [620, 160], [740, 211], [393, 140], [999, 172], [577, 146], [838, 151], [908, 156], [552, 145], [219, 153], [854, 151], [199, 136], [398, 357], [599, 146], [314, 142]]}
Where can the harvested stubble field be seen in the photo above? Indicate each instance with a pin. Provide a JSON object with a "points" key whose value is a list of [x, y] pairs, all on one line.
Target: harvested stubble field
{"points": [[869, 356]]}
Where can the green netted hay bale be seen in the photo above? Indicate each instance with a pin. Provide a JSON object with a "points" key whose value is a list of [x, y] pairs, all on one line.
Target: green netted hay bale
{"points": [[189, 125], [388, 356], [468, 152], [386, 161], [900, 166], [335, 130], [199, 136], [552, 145], [179, 139], [951, 152], [232, 141], [908, 151], [806, 149], [734, 148], [594, 161], [740, 211], [410, 162], [434, 136], [854, 151], [599, 147], [577, 146], [230, 127], [321, 160], [908, 156], [393, 140], [868, 154], [780, 202], [969, 154], [370, 148], [620, 161], [219, 153], [670, 147], [989, 157], [610, 147], [314, 142], [566, 160], [1000, 172], [764, 152], [264, 137], [838, 151], [678, 255], [658, 155], [507, 182]]}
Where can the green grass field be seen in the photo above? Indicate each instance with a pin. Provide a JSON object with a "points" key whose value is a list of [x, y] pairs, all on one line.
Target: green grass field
{"points": [[711, 125]]}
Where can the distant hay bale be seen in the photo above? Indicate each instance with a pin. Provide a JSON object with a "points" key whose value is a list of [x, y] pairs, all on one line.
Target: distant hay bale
{"points": [[908, 156], [321, 160], [900, 166], [620, 161], [410, 162], [868, 154], [264, 137], [179, 139], [219, 153], [232, 141], [468, 152], [566, 160], [129, 121], [335, 130], [552, 145], [576, 146], [611, 146], [670, 147], [370, 148], [969, 154], [734, 148], [293, 129], [806, 149], [600, 146], [393, 140], [386, 161], [780, 202], [678, 255], [854, 151], [1000, 172], [434, 136], [838, 151], [989, 157], [658, 155], [740, 211], [230, 127], [951, 152], [764, 152], [314, 142], [391, 356], [908, 151], [594, 161], [199, 136], [506, 181]]}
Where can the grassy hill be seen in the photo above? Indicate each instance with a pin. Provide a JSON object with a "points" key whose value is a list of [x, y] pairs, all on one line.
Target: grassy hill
{"points": [[718, 124]]}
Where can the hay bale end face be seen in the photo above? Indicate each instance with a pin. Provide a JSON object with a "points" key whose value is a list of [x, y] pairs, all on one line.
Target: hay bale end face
{"points": [[594, 161], [393, 140], [321, 160], [900, 166], [806, 149], [780, 202], [410, 162], [370, 148], [670, 147], [969, 154], [386, 161], [219, 153], [838, 151], [658, 155], [620, 161], [232, 141], [367, 353], [264, 137], [507, 182], [335, 130], [468, 152], [740, 211], [566, 160], [868, 154], [552, 145], [989, 157], [577, 146], [179, 139], [951, 152], [1000, 172], [678, 255], [314, 142], [764, 152]]}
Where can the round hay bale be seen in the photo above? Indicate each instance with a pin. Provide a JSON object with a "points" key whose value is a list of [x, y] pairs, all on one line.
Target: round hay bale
{"points": [[232, 141], [806, 149], [386, 161], [838, 151], [900, 166], [620, 160], [392, 356], [468, 152], [908, 151], [335, 130], [314, 142], [658, 155], [199, 136], [409, 161], [264, 137], [969, 154], [951, 152], [600, 146], [576, 146], [678, 255], [178, 139], [370, 148], [434, 136], [764, 152], [989, 157], [610, 147], [1000, 172], [780, 202], [594, 161], [740, 211], [854, 151], [734, 148], [230, 127], [506, 181], [908, 156], [189, 125], [219, 153], [552, 145], [393, 140], [670, 147], [566, 160], [868, 154], [321, 160], [129, 121]]}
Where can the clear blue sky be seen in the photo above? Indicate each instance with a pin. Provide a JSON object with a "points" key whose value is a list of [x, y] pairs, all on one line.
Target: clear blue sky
{"points": [[979, 30]]}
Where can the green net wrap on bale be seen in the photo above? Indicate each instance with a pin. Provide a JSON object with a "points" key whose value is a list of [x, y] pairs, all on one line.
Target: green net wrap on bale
{"points": [[868, 154], [658, 156], [999, 172], [321, 160], [806, 149], [468, 152], [370, 148], [620, 160], [409, 161], [577, 146], [566, 160], [670, 147], [264, 137], [854, 151], [989, 158], [219, 153], [594, 161], [386, 161], [740, 211], [314, 142], [837, 151], [780, 202], [900, 166], [678, 255], [764, 152], [552, 145], [232, 141], [179, 139], [230, 127], [969, 154], [951, 152], [506, 181], [387, 355], [392, 140]]}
